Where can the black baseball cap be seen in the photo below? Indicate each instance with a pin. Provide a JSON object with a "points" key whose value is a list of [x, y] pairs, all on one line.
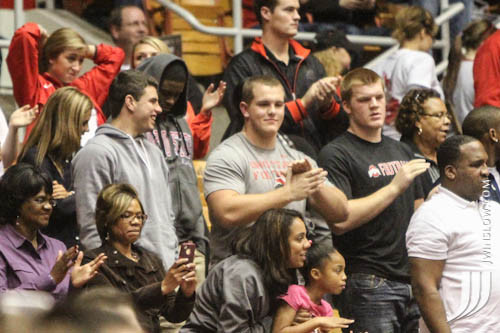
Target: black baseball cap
{"points": [[333, 37]]}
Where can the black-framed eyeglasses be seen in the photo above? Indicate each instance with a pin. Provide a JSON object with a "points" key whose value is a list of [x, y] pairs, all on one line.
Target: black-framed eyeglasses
{"points": [[42, 201], [130, 217], [439, 115]]}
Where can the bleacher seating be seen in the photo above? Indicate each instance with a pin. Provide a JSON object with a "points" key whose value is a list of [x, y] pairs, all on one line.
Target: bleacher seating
{"points": [[204, 54]]}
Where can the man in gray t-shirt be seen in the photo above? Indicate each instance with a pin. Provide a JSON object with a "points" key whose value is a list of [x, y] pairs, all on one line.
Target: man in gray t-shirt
{"points": [[251, 172]]}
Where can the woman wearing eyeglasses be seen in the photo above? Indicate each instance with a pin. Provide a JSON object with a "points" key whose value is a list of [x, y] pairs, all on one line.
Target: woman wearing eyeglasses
{"points": [[30, 260], [51, 146], [424, 123], [411, 66], [120, 218]]}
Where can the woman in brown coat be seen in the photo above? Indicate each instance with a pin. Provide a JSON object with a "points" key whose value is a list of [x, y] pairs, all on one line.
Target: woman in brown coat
{"points": [[135, 270]]}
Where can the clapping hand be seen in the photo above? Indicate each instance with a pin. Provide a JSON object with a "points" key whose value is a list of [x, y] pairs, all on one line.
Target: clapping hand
{"points": [[63, 263], [80, 275], [322, 91], [302, 185], [59, 191]]}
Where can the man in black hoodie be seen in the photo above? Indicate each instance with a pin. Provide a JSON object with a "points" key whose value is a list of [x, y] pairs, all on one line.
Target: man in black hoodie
{"points": [[173, 136]]}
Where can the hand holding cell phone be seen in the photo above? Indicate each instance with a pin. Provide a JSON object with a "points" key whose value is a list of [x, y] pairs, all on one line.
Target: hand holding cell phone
{"points": [[187, 251], [182, 272]]}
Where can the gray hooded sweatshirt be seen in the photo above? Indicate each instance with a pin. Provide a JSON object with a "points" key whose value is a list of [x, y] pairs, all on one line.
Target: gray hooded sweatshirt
{"points": [[113, 156], [173, 136]]}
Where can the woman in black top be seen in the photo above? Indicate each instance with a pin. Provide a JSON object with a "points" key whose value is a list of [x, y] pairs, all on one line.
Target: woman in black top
{"points": [[424, 123], [51, 146]]}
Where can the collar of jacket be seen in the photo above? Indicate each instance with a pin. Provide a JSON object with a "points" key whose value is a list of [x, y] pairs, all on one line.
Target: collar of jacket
{"points": [[52, 79], [116, 259], [299, 50]]}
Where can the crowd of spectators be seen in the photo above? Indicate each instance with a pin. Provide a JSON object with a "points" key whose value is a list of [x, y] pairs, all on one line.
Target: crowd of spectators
{"points": [[371, 191]]}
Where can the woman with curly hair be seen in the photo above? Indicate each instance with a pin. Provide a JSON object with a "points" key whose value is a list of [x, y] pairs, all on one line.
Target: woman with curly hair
{"points": [[424, 123]]}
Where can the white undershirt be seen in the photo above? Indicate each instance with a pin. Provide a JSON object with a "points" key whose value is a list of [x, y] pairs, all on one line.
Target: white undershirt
{"points": [[92, 128]]}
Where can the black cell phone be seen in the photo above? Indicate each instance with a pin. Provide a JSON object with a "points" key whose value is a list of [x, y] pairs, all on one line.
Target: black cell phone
{"points": [[187, 251]]}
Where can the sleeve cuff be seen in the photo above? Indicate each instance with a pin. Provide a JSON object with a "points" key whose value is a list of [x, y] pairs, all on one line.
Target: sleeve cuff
{"points": [[204, 117], [332, 110], [297, 110]]}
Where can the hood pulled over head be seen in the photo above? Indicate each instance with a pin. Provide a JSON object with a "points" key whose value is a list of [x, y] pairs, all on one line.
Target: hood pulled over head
{"points": [[168, 67]]}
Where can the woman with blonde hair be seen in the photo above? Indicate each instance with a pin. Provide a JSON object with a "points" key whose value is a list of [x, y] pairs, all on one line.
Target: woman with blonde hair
{"points": [[411, 66], [458, 83], [51, 145], [39, 64], [332, 48], [148, 46]]}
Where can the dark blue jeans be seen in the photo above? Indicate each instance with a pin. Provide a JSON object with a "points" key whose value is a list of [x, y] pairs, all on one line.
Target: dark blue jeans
{"points": [[378, 305]]}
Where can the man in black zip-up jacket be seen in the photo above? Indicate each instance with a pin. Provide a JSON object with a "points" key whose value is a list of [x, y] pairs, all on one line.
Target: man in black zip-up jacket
{"points": [[313, 109]]}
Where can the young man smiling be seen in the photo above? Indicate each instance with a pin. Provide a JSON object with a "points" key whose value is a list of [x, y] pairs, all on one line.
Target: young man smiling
{"points": [[377, 175], [310, 109], [120, 153], [250, 172]]}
